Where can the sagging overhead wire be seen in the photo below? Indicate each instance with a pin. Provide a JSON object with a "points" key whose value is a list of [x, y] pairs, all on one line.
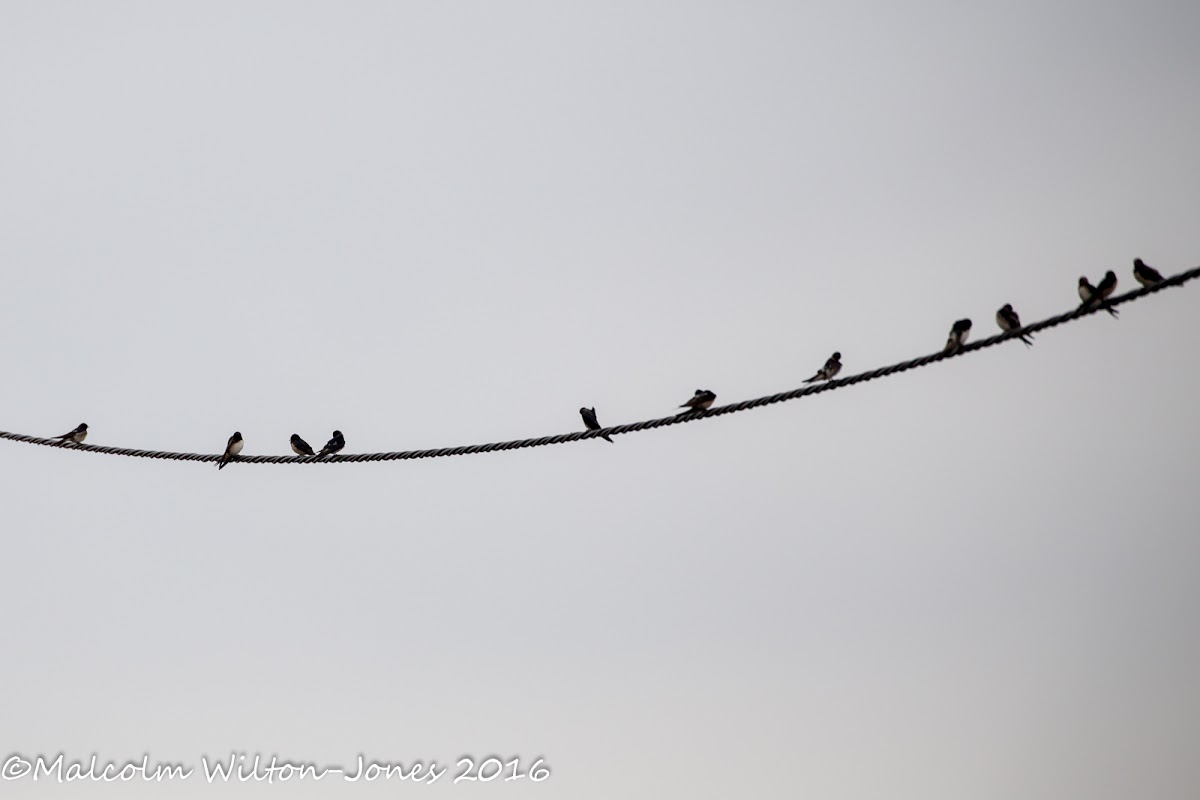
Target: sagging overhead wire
{"points": [[690, 416]]}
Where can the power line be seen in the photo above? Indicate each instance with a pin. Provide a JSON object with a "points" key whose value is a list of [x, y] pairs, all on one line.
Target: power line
{"points": [[634, 427]]}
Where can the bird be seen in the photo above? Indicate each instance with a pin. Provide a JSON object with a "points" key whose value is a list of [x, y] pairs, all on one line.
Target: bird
{"points": [[232, 448], [1008, 321], [333, 445], [832, 367], [701, 400], [1086, 290], [1146, 275], [1107, 285], [958, 335], [591, 423], [301, 447], [77, 436], [1090, 295]]}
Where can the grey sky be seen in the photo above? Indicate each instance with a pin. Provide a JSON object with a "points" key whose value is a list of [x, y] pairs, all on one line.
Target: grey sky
{"points": [[430, 224]]}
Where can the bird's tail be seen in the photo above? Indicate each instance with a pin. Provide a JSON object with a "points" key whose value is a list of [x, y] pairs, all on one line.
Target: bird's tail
{"points": [[814, 378], [604, 436], [221, 464], [1027, 339], [1112, 311]]}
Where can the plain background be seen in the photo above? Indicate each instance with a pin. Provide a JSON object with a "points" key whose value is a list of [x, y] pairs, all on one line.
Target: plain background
{"points": [[432, 224]]}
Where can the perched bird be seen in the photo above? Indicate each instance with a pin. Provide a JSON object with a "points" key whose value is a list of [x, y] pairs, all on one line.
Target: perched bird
{"points": [[301, 447], [333, 445], [1008, 321], [1146, 275], [1091, 297], [958, 335], [1107, 285], [591, 423], [832, 367], [76, 436], [232, 448], [701, 400], [1087, 292]]}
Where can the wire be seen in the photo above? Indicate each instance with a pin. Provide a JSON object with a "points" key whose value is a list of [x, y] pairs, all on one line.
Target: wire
{"points": [[634, 427]]}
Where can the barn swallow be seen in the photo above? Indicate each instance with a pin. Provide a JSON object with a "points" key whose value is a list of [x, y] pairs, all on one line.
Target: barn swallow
{"points": [[1107, 285], [591, 423], [1086, 290], [1008, 321], [1090, 295], [77, 436], [334, 445], [301, 447], [832, 367], [232, 448], [958, 335], [1146, 275], [701, 400]]}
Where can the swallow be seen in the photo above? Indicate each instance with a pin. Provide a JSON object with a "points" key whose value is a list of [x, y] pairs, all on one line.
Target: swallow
{"points": [[301, 447], [1146, 275], [1008, 321], [958, 335], [701, 400], [1086, 290], [1107, 285], [591, 423], [832, 367], [1090, 295], [334, 445], [77, 436], [232, 448]]}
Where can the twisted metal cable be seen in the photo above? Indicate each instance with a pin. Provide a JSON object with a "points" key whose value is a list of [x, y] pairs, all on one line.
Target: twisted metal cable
{"points": [[616, 430]]}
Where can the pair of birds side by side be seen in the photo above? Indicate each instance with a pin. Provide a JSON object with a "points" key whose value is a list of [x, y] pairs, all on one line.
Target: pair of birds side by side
{"points": [[1092, 296], [302, 448], [1006, 318], [299, 447]]}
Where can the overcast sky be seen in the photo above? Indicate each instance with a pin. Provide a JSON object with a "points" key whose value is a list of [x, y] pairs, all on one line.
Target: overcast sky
{"points": [[431, 224]]}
